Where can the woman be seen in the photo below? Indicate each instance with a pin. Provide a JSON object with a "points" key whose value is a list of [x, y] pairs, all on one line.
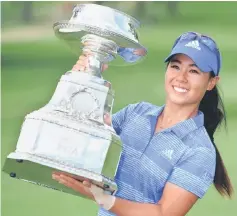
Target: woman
{"points": [[169, 157]]}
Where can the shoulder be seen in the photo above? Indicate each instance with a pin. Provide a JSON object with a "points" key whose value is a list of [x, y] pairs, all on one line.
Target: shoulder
{"points": [[199, 138], [144, 107], [199, 143], [136, 110]]}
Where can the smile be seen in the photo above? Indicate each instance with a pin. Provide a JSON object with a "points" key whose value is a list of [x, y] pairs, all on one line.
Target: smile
{"points": [[178, 89]]}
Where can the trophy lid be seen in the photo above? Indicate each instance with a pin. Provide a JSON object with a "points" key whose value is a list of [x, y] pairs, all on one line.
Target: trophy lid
{"points": [[107, 23]]}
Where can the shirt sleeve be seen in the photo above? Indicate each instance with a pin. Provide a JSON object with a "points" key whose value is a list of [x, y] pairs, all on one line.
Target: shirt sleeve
{"points": [[120, 117], [195, 171]]}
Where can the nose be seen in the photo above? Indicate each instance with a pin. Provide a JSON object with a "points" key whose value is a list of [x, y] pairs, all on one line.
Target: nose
{"points": [[182, 76]]}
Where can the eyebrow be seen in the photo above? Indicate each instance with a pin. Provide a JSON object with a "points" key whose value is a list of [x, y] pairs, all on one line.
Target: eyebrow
{"points": [[178, 61]]}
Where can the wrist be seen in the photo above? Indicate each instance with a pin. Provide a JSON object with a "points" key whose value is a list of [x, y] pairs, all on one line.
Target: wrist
{"points": [[106, 201]]}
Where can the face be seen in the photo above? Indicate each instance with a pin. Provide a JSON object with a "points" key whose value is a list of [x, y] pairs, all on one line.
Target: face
{"points": [[185, 83]]}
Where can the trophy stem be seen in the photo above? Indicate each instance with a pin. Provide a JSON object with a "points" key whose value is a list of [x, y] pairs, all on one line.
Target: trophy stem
{"points": [[101, 51]]}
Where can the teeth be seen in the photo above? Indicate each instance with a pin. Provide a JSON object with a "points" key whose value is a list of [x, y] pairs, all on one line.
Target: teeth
{"points": [[180, 89]]}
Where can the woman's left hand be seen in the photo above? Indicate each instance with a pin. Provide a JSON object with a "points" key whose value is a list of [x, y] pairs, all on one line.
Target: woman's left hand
{"points": [[81, 187]]}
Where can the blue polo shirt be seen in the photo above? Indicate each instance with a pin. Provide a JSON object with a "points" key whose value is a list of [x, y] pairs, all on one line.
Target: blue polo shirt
{"points": [[182, 154]]}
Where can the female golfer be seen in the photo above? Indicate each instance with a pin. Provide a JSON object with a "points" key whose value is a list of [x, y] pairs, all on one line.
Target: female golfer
{"points": [[169, 157]]}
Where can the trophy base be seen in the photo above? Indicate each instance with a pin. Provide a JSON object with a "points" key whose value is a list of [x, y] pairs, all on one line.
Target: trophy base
{"points": [[38, 170]]}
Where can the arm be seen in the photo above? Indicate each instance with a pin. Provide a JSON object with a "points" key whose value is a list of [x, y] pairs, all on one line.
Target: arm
{"points": [[188, 181], [175, 201], [119, 118]]}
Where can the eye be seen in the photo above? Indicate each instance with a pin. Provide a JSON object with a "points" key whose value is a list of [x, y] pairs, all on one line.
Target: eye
{"points": [[175, 66], [194, 71]]}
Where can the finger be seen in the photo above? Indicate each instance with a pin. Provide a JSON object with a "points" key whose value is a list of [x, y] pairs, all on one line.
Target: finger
{"points": [[67, 178], [140, 52], [76, 187], [76, 68], [79, 68], [87, 53], [83, 58], [86, 43], [107, 119], [104, 67], [69, 181], [56, 172], [74, 184], [86, 183], [83, 62], [55, 177]]}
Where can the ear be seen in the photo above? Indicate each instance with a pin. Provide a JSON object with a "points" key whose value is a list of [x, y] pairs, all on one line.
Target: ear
{"points": [[212, 82]]}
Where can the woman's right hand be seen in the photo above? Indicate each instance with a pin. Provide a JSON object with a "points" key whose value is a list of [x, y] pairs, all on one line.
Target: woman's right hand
{"points": [[83, 64]]}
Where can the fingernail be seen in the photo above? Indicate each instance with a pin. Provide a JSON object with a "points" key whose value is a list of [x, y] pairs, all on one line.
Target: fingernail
{"points": [[61, 181], [86, 183]]}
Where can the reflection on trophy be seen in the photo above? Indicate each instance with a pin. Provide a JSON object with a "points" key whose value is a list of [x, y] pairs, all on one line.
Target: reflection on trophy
{"points": [[69, 134]]}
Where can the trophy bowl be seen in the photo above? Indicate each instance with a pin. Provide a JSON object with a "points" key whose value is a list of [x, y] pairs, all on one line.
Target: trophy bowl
{"points": [[106, 23], [69, 134]]}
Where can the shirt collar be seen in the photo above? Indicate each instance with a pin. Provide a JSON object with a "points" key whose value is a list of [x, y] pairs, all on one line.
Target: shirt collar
{"points": [[183, 128], [156, 112]]}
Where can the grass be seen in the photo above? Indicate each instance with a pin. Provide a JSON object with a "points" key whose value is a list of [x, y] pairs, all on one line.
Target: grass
{"points": [[30, 72]]}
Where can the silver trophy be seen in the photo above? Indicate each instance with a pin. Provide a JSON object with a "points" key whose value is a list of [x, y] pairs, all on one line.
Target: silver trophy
{"points": [[69, 133]]}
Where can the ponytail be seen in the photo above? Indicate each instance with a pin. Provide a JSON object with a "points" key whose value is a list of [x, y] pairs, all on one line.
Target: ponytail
{"points": [[214, 114]]}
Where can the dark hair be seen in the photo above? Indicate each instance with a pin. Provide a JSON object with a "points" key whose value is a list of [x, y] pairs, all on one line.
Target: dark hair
{"points": [[214, 114]]}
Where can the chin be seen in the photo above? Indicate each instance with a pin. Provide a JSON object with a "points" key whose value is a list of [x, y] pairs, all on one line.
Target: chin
{"points": [[180, 100]]}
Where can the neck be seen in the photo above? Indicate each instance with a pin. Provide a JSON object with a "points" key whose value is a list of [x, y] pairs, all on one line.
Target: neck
{"points": [[173, 113]]}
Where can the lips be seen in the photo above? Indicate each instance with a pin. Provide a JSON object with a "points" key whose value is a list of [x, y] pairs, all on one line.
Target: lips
{"points": [[180, 89]]}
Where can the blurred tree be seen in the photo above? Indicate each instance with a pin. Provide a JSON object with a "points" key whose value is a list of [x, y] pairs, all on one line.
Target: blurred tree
{"points": [[99, 2], [27, 12], [142, 11], [173, 8]]}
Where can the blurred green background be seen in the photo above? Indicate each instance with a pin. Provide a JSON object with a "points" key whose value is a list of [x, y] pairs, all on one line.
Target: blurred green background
{"points": [[33, 60]]}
